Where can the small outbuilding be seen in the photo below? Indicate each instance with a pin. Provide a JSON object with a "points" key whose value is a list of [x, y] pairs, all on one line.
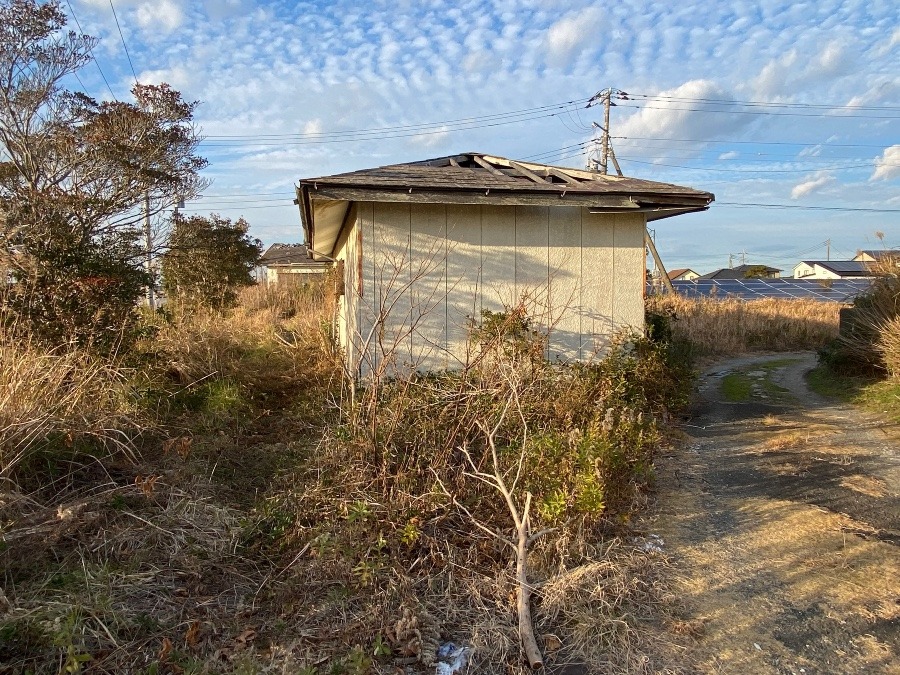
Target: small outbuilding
{"points": [[426, 247], [292, 264]]}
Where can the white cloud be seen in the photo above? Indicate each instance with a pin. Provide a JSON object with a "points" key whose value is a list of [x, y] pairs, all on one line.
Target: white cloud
{"points": [[432, 139], [815, 182], [811, 151], [177, 76], [888, 165], [783, 77], [313, 127], [732, 154], [892, 42], [165, 15], [572, 32], [222, 9], [663, 117]]}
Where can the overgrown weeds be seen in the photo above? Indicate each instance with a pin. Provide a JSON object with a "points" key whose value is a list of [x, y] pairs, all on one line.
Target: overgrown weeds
{"points": [[57, 402], [716, 327], [274, 532]]}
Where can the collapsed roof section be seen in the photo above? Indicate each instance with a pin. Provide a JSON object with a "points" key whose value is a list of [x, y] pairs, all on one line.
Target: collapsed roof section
{"points": [[476, 178]]}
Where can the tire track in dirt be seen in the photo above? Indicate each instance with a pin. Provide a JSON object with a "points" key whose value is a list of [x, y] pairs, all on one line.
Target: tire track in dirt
{"points": [[782, 513]]}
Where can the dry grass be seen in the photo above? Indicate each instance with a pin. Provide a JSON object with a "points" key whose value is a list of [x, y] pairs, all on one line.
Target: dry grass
{"points": [[62, 398], [253, 545], [731, 326], [274, 351], [889, 345]]}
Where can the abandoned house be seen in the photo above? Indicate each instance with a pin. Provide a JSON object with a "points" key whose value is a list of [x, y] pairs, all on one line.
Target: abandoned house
{"points": [[425, 247], [292, 264]]}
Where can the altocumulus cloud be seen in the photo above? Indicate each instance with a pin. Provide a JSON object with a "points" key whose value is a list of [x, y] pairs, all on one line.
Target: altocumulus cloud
{"points": [[815, 182], [166, 15], [571, 33]]}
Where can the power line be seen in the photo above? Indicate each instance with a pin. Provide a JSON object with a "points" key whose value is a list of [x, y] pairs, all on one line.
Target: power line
{"points": [[91, 50], [701, 140], [805, 208], [773, 158], [365, 136], [761, 112], [526, 113], [123, 41], [767, 104], [704, 168]]}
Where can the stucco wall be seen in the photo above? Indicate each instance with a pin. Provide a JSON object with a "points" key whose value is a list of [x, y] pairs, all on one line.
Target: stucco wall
{"points": [[428, 268]]}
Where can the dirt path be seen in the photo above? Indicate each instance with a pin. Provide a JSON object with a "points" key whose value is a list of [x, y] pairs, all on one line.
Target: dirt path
{"points": [[782, 511]]}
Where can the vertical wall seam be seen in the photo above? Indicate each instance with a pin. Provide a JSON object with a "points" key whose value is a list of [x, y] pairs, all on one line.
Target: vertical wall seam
{"points": [[581, 284], [549, 294], [446, 287]]}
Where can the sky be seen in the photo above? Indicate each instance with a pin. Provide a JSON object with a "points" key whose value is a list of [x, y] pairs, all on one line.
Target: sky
{"points": [[788, 111]]}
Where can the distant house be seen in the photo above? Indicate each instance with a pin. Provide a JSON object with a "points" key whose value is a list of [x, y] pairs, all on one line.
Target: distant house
{"points": [[877, 255], [428, 246], [744, 272], [832, 269], [683, 274], [292, 264]]}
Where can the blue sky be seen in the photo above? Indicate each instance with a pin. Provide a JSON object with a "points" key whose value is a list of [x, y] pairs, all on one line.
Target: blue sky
{"points": [[793, 104]]}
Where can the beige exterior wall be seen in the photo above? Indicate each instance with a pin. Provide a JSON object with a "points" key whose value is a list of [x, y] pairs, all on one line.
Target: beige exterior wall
{"points": [[428, 269]]}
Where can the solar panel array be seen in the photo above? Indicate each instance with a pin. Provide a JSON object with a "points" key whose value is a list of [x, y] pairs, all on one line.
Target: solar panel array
{"points": [[836, 290]]}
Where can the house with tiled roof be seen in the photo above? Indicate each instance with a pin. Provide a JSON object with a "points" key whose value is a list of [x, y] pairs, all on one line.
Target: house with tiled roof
{"points": [[683, 274]]}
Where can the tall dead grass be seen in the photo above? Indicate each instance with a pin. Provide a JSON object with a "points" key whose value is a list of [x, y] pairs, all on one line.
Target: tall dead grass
{"points": [[731, 326], [61, 398], [867, 343], [277, 341]]}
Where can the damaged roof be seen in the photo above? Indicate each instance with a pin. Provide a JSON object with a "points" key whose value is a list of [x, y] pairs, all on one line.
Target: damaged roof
{"points": [[478, 178], [480, 172]]}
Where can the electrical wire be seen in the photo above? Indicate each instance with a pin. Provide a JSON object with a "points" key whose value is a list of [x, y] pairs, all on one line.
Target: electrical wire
{"points": [[706, 141], [525, 113], [93, 58], [123, 41], [703, 168], [767, 104], [762, 112], [806, 208]]}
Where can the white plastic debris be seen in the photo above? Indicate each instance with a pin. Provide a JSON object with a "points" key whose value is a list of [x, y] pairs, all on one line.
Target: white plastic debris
{"points": [[451, 658], [652, 544], [756, 644]]}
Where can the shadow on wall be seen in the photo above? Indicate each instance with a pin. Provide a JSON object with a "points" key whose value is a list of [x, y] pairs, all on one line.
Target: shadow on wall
{"points": [[433, 274]]}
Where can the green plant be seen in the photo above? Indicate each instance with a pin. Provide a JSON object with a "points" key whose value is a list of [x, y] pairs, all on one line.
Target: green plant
{"points": [[381, 648], [78, 178], [208, 258]]}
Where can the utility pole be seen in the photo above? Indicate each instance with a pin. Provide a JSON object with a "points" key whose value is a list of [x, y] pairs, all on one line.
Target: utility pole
{"points": [[604, 156], [730, 261], [605, 97], [828, 245]]}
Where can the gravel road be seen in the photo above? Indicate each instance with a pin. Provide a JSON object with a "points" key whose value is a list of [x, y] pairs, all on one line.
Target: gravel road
{"points": [[781, 510]]}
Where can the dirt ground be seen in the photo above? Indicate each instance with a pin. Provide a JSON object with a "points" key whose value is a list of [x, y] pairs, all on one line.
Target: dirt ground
{"points": [[782, 513]]}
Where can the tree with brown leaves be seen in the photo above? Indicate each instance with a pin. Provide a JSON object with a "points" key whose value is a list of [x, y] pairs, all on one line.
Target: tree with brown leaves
{"points": [[77, 179]]}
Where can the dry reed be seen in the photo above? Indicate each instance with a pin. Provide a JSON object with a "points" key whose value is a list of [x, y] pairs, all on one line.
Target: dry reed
{"points": [[731, 326], [61, 396]]}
